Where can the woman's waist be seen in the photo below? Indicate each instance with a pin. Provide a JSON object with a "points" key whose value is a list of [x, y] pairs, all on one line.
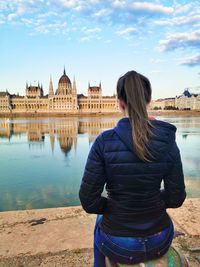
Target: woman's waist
{"points": [[134, 208], [134, 224]]}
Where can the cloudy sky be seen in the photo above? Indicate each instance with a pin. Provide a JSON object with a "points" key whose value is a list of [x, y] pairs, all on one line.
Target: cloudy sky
{"points": [[100, 40]]}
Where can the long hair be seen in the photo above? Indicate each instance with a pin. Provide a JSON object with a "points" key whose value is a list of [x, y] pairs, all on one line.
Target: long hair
{"points": [[135, 90]]}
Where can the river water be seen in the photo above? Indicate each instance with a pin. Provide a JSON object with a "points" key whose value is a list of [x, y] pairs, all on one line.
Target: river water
{"points": [[42, 160]]}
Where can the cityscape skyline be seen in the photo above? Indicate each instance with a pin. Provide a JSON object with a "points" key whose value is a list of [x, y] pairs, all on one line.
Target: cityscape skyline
{"points": [[89, 83], [100, 41]]}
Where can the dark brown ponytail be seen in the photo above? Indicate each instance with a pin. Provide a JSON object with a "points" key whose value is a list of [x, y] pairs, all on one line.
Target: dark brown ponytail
{"points": [[135, 90]]}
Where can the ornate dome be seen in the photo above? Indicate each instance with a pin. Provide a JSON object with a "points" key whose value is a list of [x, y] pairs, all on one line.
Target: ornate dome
{"points": [[64, 78]]}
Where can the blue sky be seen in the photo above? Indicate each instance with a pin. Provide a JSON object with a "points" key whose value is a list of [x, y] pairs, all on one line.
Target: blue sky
{"points": [[100, 40]]}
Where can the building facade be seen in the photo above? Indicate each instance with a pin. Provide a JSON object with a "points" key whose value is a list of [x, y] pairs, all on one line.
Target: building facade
{"points": [[64, 100], [163, 103], [186, 101]]}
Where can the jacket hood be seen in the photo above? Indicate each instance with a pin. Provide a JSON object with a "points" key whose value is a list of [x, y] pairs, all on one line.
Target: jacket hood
{"points": [[161, 142]]}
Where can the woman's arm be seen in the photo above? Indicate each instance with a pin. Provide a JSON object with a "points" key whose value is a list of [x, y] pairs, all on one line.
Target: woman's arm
{"points": [[174, 193], [94, 179]]}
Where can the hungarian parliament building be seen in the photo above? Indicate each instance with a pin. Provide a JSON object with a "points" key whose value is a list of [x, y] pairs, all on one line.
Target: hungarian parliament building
{"points": [[66, 100], [63, 100]]}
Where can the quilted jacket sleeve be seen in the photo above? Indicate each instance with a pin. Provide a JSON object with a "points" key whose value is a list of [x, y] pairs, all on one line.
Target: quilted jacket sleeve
{"points": [[94, 179], [174, 193]]}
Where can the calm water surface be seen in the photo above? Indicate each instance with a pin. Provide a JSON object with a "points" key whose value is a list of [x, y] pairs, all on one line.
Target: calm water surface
{"points": [[42, 160]]}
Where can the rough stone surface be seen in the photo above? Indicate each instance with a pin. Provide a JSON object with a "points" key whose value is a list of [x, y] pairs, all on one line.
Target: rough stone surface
{"points": [[63, 236]]}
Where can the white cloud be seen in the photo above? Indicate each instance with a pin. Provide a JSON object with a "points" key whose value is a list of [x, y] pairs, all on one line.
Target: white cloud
{"points": [[11, 16], [121, 17], [126, 31], [182, 8], [162, 22], [145, 7], [191, 19], [180, 40], [53, 28], [90, 33], [42, 29], [150, 7], [85, 39], [20, 9], [27, 21], [179, 21], [102, 12], [48, 14], [192, 61], [69, 3], [119, 3], [94, 1], [78, 5], [91, 30]]}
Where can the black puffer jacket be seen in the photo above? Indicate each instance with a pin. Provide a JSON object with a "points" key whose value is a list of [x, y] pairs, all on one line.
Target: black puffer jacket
{"points": [[135, 205]]}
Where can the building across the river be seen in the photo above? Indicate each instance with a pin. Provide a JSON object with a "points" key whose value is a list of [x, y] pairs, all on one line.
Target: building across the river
{"points": [[63, 100], [66, 100], [186, 101], [163, 103]]}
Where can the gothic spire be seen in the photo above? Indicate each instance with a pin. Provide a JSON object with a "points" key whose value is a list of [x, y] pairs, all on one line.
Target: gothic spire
{"points": [[74, 85], [41, 90], [51, 93]]}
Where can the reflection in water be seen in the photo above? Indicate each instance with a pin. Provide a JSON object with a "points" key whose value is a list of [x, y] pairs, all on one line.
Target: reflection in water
{"points": [[42, 160], [193, 186], [64, 130], [184, 136]]}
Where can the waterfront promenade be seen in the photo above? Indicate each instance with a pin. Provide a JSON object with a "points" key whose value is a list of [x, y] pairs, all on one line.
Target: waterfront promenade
{"points": [[63, 236], [174, 113]]}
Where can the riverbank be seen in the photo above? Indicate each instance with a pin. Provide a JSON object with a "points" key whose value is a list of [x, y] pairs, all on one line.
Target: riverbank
{"points": [[173, 113], [57, 115], [63, 236]]}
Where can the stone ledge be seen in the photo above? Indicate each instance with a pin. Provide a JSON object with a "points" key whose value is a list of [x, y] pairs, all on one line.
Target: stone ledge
{"points": [[64, 236]]}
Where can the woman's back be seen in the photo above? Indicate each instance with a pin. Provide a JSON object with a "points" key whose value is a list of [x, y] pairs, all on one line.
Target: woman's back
{"points": [[135, 205], [132, 160]]}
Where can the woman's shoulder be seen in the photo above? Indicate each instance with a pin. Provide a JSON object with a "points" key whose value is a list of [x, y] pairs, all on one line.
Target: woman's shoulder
{"points": [[106, 136], [163, 124]]}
